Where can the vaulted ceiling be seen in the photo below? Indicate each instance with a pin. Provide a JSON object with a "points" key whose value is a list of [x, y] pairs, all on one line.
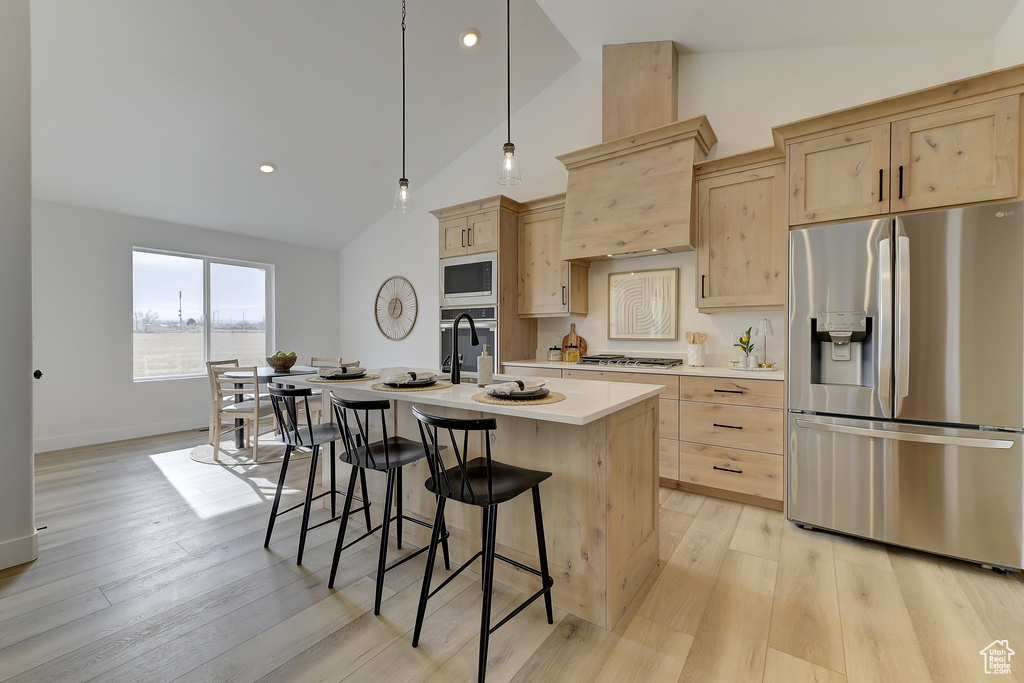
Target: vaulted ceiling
{"points": [[165, 108]]}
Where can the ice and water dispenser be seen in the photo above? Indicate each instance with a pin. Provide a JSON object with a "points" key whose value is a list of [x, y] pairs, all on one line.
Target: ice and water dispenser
{"points": [[841, 348]]}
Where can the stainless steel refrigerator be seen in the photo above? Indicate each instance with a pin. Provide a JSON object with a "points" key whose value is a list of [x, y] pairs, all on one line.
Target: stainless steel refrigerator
{"points": [[906, 381]]}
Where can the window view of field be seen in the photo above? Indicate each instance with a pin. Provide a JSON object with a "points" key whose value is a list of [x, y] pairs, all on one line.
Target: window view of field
{"points": [[170, 353], [176, 298]]}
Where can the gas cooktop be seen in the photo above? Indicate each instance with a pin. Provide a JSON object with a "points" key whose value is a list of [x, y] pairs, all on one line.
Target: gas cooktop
{"points": [[629, 361]]}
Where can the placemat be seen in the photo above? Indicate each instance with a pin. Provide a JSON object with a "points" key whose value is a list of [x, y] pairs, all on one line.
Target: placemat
{"points": [[440, 384], [324, 380], [484, 397]]}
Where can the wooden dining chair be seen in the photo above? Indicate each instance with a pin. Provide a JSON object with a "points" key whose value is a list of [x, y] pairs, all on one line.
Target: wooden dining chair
{"points": [[250, 409], [233, 363]]}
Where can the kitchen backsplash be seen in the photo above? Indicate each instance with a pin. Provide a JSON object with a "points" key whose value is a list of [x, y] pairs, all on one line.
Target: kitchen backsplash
{"points": [[723, 329]]}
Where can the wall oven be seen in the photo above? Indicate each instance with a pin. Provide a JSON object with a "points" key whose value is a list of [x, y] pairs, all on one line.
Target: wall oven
{"points": [[485, 319], [469, 280]]}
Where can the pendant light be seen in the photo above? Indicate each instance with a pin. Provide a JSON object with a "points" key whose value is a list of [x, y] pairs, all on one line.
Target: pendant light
{"points": [[509, 163], [403, 198]]}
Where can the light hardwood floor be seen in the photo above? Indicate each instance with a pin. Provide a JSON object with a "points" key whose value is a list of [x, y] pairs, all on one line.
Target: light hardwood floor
{"points": [[152, 568]]}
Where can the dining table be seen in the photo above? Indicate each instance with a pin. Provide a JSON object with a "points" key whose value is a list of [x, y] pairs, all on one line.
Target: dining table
{"points": [[264, 375]]}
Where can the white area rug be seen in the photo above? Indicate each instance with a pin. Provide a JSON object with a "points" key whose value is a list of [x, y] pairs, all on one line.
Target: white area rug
{"points": [[270, 450]]}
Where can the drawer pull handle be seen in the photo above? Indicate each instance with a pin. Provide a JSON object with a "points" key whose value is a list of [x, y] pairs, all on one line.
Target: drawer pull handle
{"points": [[726, 469], [726, 426], [729, 391]]}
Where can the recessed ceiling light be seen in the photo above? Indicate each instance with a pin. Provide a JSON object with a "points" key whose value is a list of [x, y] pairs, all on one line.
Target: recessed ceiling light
{"points": [[469, 38], [268, 168]]}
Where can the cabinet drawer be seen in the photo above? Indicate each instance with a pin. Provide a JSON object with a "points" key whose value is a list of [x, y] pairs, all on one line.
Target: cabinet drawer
{"points": [[755, 474], [516, 371], [753, 429], [668, 417], [670, 382], [764, 393], [668, 459]]}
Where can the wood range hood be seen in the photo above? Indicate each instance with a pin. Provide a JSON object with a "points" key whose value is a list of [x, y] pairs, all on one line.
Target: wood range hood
{"points": [[632, 194]]}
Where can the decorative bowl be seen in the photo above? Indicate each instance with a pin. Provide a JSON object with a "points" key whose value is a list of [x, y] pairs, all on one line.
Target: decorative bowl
{"points": [[281, 363]]}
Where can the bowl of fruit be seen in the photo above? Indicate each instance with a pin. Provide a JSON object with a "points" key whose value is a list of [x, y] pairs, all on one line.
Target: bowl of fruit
{"points": [[281, 361]]}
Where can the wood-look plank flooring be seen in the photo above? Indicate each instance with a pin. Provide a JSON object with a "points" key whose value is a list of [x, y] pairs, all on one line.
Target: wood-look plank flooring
{"points": [[152, 568]]}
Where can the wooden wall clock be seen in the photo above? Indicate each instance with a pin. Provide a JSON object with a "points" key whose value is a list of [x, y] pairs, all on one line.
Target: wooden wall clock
{"points": [[395, 308]]}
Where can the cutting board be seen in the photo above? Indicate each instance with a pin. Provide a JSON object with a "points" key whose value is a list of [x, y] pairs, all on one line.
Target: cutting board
{"points": [[573, 338]]}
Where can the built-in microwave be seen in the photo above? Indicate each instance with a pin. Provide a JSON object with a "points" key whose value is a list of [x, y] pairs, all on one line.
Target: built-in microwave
{"points": [[469, 280]]}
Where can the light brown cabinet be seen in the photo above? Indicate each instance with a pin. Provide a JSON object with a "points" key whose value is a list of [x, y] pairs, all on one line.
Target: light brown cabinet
{"points": [[668, 410], [491, 225], [952, 156], [732, 438], [474, 234], [548, 286], [742, 234]]}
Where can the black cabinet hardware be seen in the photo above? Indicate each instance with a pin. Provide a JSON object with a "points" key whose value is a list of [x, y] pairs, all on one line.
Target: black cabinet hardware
{"points": [[726, 469], [901, 182], [725, 426], [881, 184], [729, 391]]}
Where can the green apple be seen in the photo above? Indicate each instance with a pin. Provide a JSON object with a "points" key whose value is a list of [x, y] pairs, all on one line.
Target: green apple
{"points": [[291, 355]]}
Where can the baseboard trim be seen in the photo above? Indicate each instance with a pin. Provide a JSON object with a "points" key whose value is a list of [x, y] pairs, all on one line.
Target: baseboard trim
{"points": [[19, 550], [63, 441]]}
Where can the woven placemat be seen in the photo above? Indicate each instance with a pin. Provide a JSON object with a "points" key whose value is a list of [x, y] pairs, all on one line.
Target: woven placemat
{"points": [[551, 397], [324, 380], [440, 384]]}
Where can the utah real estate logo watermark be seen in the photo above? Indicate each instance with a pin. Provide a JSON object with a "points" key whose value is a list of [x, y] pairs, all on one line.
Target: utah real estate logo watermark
{"points": [[997, 657]]}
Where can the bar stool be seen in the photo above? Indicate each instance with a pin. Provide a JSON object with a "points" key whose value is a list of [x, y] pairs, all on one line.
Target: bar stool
{"points": [[289, 404], [390, 455], [485, 483]]}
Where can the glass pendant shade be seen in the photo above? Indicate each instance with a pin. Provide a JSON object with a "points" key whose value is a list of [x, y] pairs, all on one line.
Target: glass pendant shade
{"points": [[509, 166], [403, 198]]}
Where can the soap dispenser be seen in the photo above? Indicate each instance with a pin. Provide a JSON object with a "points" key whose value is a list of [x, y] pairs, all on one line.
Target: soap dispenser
{"points": [[485, 368]]}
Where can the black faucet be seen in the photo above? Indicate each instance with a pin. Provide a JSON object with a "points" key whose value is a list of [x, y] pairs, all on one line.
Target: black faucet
{"points": [[474, 340]]}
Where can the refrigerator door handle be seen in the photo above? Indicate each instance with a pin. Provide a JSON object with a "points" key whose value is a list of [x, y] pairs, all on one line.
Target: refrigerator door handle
{"points": [[902, 319], [907, 436], [883, 380]]}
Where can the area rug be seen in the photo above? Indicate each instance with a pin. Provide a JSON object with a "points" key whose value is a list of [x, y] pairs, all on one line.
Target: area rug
{"points": [[270, 451]]}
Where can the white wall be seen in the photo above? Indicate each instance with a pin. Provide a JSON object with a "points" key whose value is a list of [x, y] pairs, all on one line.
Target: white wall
{"points": [[1009, 42], [743, 94], [82, 308], [18, 538], [564, 117]]}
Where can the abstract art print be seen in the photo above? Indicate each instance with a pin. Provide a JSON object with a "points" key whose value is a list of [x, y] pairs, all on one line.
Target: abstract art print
{"points": [[642, 304]]}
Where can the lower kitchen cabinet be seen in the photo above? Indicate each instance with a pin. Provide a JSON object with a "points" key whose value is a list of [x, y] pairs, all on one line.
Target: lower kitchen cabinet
{"points": [[668, 410], [732, 438]]}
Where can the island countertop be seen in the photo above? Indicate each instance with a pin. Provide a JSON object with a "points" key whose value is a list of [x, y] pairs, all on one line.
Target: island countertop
{"points": [[601, 447], [585, 400]]}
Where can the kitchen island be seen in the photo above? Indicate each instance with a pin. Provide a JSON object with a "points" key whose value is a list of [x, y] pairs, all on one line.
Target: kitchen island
{"points": [[600, 506]]}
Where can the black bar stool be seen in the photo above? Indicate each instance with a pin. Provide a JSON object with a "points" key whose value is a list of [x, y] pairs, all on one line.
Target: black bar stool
{"points": [[390, 455], [287, 403], [485, 483]]}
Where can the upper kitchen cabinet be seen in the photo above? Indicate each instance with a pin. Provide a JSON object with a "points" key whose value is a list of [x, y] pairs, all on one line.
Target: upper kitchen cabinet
{"points": [[548, 286], [839, 176], [950, 145], [742, 232], [473, 228], [968, 154]]}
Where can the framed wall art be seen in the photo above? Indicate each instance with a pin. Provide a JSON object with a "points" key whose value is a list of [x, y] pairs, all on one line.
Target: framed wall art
{"points": [[643, 304]]}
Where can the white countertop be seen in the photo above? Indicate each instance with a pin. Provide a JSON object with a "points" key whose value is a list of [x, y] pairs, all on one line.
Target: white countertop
{"points": [[585, 400], [677, 370]]}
